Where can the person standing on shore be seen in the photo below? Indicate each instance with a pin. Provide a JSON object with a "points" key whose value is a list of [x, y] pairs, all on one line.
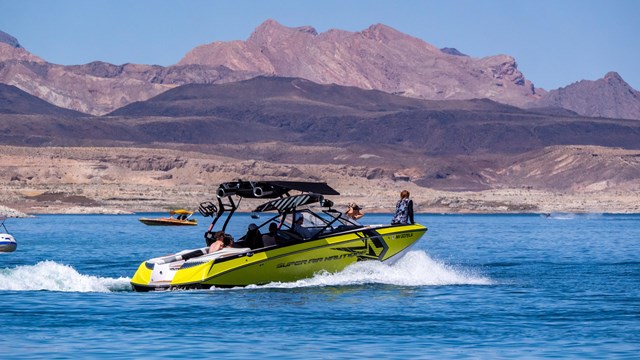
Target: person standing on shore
{"points": [[404, 210]]}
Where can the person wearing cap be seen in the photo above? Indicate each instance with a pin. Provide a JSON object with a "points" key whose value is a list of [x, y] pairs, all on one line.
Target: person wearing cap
{"points": [[353, 211], [297, 226]]}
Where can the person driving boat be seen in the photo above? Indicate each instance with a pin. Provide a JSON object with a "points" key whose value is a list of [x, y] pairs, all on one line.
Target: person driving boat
{"points": [[301, 230]]}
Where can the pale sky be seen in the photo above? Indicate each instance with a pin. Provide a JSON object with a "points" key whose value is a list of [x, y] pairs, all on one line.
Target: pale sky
{"points": [[555, 42]]}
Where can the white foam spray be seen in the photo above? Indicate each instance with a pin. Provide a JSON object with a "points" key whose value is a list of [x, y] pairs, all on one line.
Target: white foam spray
{"points": [[416, 268], [52, 276]]}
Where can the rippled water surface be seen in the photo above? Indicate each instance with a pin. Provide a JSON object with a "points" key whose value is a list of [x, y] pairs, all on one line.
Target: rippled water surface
{"points": [[476, 286]]}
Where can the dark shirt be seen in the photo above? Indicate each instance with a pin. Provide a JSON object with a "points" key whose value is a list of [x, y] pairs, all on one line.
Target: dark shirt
{"points": [[404, 212]]}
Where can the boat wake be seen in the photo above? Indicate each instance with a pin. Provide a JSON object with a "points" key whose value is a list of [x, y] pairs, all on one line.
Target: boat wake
{"points": [[416, 268], [52, 276]]}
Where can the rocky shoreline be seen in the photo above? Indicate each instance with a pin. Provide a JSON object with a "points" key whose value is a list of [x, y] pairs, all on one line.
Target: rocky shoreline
{"points": [[129, 180], [508, 201]]}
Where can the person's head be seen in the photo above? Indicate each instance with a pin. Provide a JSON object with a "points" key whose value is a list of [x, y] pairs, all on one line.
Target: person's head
{"points": [[354, 206], [253, 227], [404, 194], [227, 240], [298, 218], [273, 227], [219, 236]]}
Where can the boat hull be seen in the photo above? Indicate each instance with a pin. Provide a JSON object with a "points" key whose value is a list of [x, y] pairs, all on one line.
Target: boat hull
{"points": [[280, 264], [168, 222], [7, 243]]}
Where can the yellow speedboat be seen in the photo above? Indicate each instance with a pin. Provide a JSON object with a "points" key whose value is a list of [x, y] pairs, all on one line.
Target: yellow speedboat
{"points": [[330, 241], [182, 217]]}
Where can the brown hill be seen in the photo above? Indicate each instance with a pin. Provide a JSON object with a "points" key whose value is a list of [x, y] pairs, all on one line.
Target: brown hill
{"points": [[297, 111], [16, 101], [331, 114], [376, 58], [608, 97], [98, 88]]}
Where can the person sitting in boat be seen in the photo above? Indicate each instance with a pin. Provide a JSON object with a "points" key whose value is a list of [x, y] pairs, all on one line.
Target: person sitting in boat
{"points": [[353, 211], [253, 239], [301, 230], [218, 242], [269, 238], [222, 241], [404, 210]]}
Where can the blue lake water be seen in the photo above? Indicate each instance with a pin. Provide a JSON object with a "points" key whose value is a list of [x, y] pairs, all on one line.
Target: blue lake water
{"points": [[476, 286]]}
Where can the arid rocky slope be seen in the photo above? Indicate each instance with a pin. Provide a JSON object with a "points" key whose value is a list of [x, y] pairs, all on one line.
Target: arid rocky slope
{"points": [[376, 58], [173, 141], [116, 180], [294, 128], [608, 97], [379, 58]]}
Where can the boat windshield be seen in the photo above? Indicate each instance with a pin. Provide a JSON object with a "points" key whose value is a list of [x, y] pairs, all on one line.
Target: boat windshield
{"points": [[324, 222]]}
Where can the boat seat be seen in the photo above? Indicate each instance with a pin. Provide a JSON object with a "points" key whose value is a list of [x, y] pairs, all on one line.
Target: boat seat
{"points": [[288, 236]]}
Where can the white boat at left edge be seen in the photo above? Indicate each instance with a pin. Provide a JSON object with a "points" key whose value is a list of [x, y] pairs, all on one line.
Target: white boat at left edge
{"points": [[7, 241]]}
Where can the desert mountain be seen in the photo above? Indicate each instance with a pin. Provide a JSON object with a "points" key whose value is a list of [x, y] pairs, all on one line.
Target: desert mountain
{"points": [[9, 40], [332, 113], [300, 112], [97, 88], [16, 101], [376, 58], [10, 50], [270, 127], [608, 97], [379, 58]]}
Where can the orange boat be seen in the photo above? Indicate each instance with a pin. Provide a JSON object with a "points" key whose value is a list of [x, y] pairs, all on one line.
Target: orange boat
{"points": [[182, 217]]}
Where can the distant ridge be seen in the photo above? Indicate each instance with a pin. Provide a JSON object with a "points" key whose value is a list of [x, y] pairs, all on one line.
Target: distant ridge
{"points": [[452, 51], [379, 58], [16, 101], [332, 114], [9, 40], [609, 97]]}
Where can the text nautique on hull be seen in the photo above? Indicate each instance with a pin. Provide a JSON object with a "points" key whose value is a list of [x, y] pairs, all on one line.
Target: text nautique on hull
{"points": [[335, 241]]}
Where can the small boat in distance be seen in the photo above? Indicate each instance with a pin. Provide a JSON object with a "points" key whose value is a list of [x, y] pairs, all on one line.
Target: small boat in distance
{"points": [[7, 242], [182, 217]]}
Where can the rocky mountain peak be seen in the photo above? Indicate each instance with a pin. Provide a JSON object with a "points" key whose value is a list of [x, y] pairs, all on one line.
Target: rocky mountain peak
{"points": [[10, 49], [9, 40], [452, 51], [378, 57], [609, 96], [381, 32], [272, 28], [613, 76]]}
